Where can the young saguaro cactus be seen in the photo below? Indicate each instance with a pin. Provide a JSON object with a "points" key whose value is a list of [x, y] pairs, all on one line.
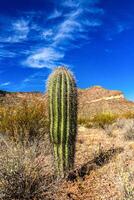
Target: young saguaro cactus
{"points": [[62, 92]]}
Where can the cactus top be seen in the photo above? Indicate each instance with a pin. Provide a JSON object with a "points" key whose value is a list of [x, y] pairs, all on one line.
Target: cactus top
{"points": [[59, 71]]}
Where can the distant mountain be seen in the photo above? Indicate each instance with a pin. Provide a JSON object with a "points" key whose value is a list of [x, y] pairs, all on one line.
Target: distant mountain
{"points": [[14, 97], [98, 99], [90, 101]]}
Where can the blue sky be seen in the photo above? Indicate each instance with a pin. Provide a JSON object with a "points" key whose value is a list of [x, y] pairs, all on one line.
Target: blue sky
{"points": [[95, 38]]}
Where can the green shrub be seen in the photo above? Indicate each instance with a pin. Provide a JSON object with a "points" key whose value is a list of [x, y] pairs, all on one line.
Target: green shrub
{"points": [[104, 119], [99, 120]]}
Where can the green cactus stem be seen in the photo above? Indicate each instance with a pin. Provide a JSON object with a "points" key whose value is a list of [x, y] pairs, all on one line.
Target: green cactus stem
{"points": [[62, 93]]}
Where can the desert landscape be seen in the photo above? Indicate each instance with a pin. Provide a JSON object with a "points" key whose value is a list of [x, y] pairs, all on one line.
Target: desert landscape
{"points": [[67, 100], [104, 158]]}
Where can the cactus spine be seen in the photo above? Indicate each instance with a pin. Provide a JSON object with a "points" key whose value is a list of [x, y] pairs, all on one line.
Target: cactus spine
{"points": [[63, 118]]}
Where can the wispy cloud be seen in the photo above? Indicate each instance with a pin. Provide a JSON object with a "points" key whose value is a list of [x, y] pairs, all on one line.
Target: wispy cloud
{"points": [[47, 34], [43, 40], [21, 29], [55, 14], [14, 33], [18, 32], [46, 57], [75, 24], [5, 84]]}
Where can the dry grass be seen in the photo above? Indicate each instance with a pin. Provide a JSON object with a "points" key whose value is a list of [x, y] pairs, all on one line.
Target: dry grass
{"points": [[100, 120], [129, 133], [104, 119], [26, 172], [24, 122], [127, 128], [103, 165], [128, 115], [85, 121], [111, 177], [26, 169]]}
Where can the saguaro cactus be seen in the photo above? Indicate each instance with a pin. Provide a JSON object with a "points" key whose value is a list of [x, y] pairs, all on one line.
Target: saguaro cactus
{"points": [[62, 93]]}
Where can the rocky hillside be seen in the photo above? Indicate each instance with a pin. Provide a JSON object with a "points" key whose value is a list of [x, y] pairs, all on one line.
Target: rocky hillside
{"points": [[98, 99], [92, 100], [14, 97]]}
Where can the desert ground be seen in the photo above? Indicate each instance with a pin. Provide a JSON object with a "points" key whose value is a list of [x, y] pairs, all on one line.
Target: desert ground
{"points": [[104, 160], [105, 164]]}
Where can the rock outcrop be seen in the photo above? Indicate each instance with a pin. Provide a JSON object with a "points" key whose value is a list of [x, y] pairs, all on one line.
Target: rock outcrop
{"points": [[98, 99]]}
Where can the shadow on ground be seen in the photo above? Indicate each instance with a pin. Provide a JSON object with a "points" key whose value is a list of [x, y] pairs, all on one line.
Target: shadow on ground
{"points": [[100, 160]]}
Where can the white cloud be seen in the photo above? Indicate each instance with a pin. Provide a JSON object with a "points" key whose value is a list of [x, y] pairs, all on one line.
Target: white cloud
{"points": [[47, 34], [67, 30], [5, 84], [55, 14], [46, 57], [21, 26], [74, 25], [58, 37], [18, 32], [57, 31]]}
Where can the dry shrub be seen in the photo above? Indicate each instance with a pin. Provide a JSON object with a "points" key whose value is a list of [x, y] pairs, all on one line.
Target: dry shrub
{"points": [[25, 121], [82, 120], [127, 177], [85, 121], [120, 123], [128, 115], [25, 151], [129, 129], [102, 120], [26, 162], [25, 172]]}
